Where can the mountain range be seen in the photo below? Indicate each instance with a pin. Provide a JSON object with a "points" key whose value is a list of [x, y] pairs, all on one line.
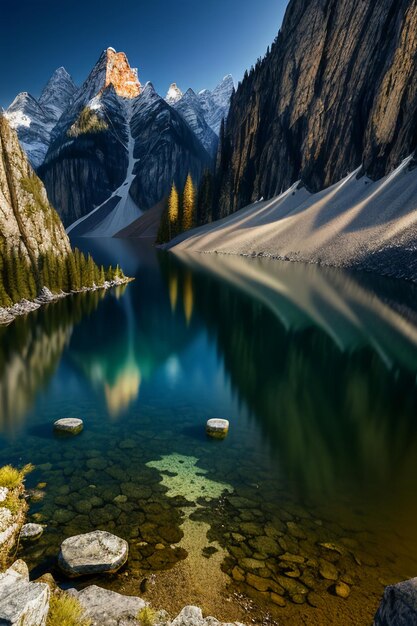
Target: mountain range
{"points": [[117, 145]]}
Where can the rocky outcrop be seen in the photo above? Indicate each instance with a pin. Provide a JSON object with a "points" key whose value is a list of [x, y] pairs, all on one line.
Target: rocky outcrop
{"points": [[336, 91], [22, 603], [119, 74], [28, 223]]}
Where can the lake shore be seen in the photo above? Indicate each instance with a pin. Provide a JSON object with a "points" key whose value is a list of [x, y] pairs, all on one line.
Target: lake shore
{"points": [[357, 224], [9, 314]]}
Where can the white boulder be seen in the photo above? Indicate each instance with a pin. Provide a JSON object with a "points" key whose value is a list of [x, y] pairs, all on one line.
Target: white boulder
{"points": [[217, 428], [22, 603], [98, 552], [69, 425]]}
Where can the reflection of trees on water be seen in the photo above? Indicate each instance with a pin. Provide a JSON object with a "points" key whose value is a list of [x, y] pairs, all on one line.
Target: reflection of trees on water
{"points": [[334, 414], [30, 351]]}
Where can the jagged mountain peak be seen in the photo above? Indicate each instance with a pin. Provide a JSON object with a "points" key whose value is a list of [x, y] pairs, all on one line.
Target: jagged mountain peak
{"points": [[23, 98], [174, 94], [111, 69], [215, 104], [223, 91], [23, 109], [119, 74], [58, 93]]}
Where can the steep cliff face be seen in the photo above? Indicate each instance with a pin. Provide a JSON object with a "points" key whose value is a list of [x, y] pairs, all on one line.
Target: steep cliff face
{"points": [[28, 223], [337, 90]]}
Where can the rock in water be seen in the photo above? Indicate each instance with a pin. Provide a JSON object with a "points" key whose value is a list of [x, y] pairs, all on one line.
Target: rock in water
{"points": [[31, 531], [22, 603], [398, 605], [106, 608], [98, 552], [217, 428], [69, 425], [193, 616], [342, 589]]}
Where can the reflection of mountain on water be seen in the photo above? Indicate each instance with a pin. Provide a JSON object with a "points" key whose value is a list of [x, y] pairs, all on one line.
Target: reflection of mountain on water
{"points": [[338, 404], [128, 339], [30, 350]]}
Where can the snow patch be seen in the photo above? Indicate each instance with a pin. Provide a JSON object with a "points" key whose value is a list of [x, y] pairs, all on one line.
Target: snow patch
{"points": [[18, 119]]}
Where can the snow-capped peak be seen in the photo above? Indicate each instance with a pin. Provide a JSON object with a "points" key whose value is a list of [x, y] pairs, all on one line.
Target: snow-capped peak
{"points": [[174, 94]]}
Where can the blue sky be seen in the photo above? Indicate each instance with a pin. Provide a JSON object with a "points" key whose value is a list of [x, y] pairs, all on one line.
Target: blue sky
{"points": [[190, 42]]}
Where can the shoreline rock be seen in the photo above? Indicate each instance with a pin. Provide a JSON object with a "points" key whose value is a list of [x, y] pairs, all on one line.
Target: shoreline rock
{"points": [[9, 314], [22, 602]]}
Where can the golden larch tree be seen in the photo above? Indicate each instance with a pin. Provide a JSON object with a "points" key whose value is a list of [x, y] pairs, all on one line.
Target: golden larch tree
{"points": [[173, 212], [188, 205]]}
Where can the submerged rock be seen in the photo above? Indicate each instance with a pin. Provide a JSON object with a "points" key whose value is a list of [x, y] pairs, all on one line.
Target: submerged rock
{"points": [[217, 428], [22, 603], [31, 532], [69, 425], [398, 605], [342, 590], [98, 552]]}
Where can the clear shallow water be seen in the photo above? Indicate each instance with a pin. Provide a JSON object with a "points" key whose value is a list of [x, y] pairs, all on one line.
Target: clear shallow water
{"points": [[316, 370]]}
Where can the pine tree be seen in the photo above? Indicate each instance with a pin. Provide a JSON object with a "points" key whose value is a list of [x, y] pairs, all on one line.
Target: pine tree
{"points": [[102, 278], [188, 205], [173, 212], [163, 230], [205, 199]]}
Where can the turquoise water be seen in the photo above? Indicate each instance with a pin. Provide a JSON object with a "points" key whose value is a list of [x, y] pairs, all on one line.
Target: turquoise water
{"points": [[314, 368]]}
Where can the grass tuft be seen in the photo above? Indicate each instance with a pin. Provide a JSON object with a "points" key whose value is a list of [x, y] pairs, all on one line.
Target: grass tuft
{"points": [[65, 610], [11, 477], [147, 616]]}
